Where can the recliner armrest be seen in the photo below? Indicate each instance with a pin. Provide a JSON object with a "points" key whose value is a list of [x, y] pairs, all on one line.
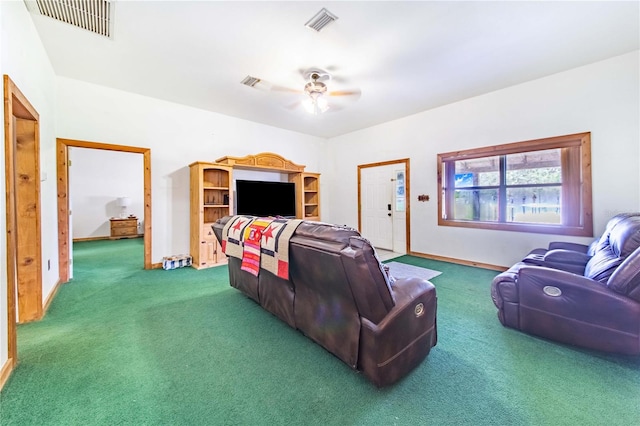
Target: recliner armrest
{"points": [[566, 256], [409, 294], [561, 245], [407, 331], [564, 260]]}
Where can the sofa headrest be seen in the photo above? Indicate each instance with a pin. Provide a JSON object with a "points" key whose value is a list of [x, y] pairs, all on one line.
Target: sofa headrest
{"points": [[623, 239], [325, 231], [368, 279], [625, 236], [603, 241]]}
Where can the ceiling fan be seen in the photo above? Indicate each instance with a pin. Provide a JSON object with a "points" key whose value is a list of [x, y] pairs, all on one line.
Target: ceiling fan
{"points": [[317, 97], [315, 90]]}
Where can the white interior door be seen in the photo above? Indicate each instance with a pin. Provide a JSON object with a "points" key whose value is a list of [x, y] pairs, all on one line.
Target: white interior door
{"points": [[70, 239], [376, 191], [69, 194]]}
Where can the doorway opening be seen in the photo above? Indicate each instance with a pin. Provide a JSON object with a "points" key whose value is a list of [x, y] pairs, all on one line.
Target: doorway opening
{"points": [[384, 213], [64, 233]]}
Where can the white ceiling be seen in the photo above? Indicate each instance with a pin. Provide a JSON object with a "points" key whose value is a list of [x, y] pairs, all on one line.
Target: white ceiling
{"points": [[405, 57]]}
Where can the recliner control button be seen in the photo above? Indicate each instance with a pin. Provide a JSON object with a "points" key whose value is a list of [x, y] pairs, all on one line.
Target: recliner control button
{"points": [[552, 291]]}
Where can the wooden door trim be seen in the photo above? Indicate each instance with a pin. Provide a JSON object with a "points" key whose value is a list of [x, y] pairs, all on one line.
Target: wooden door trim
{"points": [[15, 105], [407, 211], [63, 200]]}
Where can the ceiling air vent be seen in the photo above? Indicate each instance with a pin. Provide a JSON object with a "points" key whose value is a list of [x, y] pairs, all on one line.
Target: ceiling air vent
{"points": [[250, 81], [321, 20], [90, 15]]}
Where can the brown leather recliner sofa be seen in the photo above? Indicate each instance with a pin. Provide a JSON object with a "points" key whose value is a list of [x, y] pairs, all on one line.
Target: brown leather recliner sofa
{"points": [[587, 296], [340, 296]]}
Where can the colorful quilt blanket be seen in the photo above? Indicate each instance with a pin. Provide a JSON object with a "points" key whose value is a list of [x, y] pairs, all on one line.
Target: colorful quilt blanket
{"points": [[261, 243], [232, 235]]}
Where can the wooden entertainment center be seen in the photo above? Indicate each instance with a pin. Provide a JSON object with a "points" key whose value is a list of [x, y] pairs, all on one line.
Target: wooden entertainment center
{"points": [[212, 198]]}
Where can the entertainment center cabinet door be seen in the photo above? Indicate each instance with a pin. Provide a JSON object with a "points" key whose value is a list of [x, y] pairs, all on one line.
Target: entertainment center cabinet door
{"points": [[209, 253], [211, 198]]}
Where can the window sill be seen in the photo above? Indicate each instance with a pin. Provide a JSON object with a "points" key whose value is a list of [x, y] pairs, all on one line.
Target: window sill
{"points": [[536, 228]]}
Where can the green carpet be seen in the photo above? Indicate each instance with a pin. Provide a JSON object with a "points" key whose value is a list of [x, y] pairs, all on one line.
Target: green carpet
{"points": [[121, 345]]}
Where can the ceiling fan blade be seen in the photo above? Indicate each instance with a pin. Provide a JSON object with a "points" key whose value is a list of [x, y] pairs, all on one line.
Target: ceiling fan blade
{"points": [[355, 92]]}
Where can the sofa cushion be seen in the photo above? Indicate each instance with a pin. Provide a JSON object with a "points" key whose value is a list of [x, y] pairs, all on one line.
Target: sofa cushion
{"points": [[602, 265], [324, 307], [623, 239], [626, 279]]}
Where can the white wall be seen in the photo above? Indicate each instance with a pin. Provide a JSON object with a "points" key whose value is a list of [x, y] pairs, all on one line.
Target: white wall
{"points": [[177, 136], [602, 98], [97, 178], [23, 59]]}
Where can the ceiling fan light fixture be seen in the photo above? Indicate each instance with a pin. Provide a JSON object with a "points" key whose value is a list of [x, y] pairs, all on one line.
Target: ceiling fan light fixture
{"points": [[322, 104], [316, 103], [315, 87]]}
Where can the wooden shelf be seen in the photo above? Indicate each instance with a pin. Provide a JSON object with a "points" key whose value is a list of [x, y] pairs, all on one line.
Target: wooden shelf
{"points": [[211, 198], [215, 181], [307, 184], [311, 196]]}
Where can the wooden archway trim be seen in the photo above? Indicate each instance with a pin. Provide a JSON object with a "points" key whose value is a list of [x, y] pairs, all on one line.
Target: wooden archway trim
{"points": [[18, 108], [63, 197]]}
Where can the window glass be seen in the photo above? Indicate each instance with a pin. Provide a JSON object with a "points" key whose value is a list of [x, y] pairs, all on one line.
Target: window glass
{"points": [[534, 204], [534, 167], [477, 204], [477, 172], [542, 185]]}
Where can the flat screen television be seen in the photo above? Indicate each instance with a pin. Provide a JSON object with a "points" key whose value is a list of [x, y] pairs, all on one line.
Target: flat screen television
{"points": [[260, 198]]}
